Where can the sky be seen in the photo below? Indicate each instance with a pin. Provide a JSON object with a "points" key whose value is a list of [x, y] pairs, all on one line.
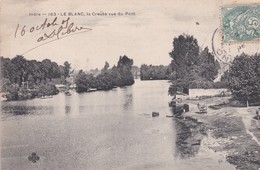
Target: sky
{"points": [[146, 37]]}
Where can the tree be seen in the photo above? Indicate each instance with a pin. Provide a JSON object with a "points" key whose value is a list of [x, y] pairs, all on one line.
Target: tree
{"points": [[47, 68], [155, 72], [244, 78], [7, 69], [81, 81], [208, 66], [124, 61], [35, 73], [124, 66], [55, 70], [29, 73], [20, 69], [106, 66], [67, 68], [190, 66], [184, 54], [119, 75], [5, 83]]}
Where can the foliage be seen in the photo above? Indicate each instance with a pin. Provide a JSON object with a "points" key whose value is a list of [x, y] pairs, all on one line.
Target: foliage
{"points": [[105, 67], [12, 92], [119, 75], [25, 79], [47, 89], [135, 71], [67, 68], [191, 66], [152, 72], [207, 65], [84, 81], [244, 77], [19, 70], [123, 71], [184, 55]]}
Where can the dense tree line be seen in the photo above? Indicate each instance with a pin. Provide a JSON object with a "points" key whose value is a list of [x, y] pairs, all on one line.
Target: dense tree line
{"points": [[22, 78], [151, 72], [18, 70], [119, 75], [243, 78], [136, 71], [192, 66]]}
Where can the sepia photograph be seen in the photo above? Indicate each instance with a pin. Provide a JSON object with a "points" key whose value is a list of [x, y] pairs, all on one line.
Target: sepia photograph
{"points": [[130, 85]]}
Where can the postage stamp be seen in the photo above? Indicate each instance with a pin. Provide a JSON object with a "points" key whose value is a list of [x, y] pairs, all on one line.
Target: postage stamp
{"points": [[240, 23]]}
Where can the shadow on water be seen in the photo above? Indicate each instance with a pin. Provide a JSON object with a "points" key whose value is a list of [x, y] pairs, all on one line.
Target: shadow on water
{"points": [[67, 109], [25, 110], [189, 133], [128, 98]]}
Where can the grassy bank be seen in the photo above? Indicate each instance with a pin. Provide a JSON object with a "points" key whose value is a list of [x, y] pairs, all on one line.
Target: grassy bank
{"points": [[234, 131], [190, 132], [14, 92]]}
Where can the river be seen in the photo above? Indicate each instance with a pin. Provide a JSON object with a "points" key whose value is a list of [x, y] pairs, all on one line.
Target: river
{"points": [[96, 130]]}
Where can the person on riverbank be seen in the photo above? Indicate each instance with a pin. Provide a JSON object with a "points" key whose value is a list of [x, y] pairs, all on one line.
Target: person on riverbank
{"points": [[257, 113]]}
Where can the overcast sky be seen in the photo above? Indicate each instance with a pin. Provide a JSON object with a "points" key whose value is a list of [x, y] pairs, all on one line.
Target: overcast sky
{"points": [[146, 37]]}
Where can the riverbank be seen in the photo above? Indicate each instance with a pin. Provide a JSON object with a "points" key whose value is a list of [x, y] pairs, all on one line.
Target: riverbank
{"points": [[231, 132], [14, 92]]}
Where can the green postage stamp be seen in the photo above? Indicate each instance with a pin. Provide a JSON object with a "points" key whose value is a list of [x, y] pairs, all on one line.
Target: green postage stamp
{"points": [[241, 23]]}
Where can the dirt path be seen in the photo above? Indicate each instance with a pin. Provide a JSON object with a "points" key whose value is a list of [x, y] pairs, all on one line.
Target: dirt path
{"points": [[234, 132], [247, 119]]}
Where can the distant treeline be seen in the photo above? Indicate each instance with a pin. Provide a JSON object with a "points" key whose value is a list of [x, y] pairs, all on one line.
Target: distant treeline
{"points": [[23, 79], [135, 71], [119, 75], [151, 72]]}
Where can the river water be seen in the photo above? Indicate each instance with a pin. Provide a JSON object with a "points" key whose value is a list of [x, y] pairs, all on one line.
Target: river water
{"points": [[97, 130]]}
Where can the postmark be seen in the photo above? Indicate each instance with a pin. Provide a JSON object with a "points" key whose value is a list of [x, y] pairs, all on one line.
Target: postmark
{"points": [[240, 23]]}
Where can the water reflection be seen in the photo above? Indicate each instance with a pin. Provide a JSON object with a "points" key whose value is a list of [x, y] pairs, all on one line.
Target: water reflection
{"points": [[8, 110], [100, 130], [178, 108], [92, 127], [127, 94], [60, 104], [189, 133], [74, 103], [67, 109]]}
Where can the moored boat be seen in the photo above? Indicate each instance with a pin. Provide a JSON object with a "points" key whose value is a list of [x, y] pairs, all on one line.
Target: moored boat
{"points": [[92, 89], [3, 97], [68, 93]]}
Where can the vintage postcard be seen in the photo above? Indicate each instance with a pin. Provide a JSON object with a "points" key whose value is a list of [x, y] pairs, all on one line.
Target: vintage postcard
{"points": [[133, 84]]}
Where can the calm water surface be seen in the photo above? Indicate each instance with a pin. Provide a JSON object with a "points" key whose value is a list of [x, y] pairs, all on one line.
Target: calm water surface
{"points": [[98, 130]]}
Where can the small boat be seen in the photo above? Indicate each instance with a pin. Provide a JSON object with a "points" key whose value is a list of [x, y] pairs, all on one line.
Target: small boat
{"points": [[155, 114], [46, 97], [92, 89], [202, 108], [3, 97], [68, 93]]}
